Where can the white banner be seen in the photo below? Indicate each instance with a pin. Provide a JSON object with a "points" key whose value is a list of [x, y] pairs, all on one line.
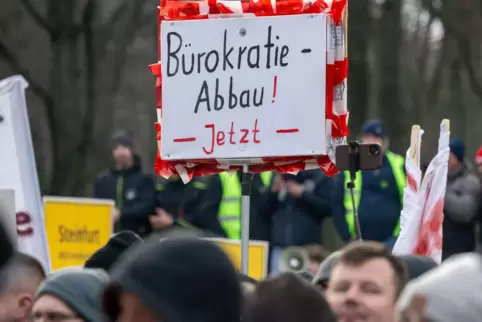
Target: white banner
{"points": [[18, 170], [422, 216]]}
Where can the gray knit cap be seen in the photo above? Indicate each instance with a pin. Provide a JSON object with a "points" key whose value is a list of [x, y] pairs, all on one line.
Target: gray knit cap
{"points": [[453, 290], [78, 288], [324, 271]]}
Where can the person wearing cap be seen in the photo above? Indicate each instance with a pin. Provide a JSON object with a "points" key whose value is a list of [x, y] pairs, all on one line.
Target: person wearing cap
{"points": [[451, 292], [132, 190], [461, 203], [174, 280], [378, 194], [70, 294]]}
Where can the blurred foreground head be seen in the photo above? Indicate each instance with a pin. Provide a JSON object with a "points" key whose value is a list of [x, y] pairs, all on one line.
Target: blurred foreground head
{"points": [[19, 280], [70, 295], [365, 283], [174, 280], [417, 265], [451, 292], [322, 276], [106, 256], [288, 298]]}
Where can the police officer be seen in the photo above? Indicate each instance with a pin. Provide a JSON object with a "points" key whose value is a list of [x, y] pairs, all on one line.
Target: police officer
{"points": [[177, 203], [131, 188], [378, 194]]}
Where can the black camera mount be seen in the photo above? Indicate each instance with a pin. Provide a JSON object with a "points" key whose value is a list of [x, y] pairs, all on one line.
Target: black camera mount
{"points": [[353, 168]]}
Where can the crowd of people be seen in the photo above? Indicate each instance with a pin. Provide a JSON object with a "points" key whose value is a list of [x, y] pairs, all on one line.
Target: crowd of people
{"points": [[286, 209], [151, 270], [184, 279]]}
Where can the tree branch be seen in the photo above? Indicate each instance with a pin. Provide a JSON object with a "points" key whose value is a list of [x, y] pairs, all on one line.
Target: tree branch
{"points": [[464, 46], [106, 33], [15, 65], [37, 17], [36, 88]]}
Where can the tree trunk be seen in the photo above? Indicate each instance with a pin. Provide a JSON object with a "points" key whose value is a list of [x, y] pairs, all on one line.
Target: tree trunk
{"points": [[390, 31], [359, 23]]}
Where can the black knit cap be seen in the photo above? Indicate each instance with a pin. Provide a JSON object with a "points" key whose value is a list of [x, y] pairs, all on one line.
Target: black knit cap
{"points": [[122, 138], [106, 256], [179, 280]]}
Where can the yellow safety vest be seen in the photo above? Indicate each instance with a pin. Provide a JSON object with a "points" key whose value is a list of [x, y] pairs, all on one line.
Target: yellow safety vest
{"points": [[397, 163], [229, 213]]}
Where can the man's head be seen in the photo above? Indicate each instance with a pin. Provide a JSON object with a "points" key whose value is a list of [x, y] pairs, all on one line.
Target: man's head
{"points": [[288, 298], [174, 280], [70, 294], [457, 153], [373, 132], [478, 160], [365, 283], [323, 275], [122, 149], [451, 292], [19, 281], [316, 254]]}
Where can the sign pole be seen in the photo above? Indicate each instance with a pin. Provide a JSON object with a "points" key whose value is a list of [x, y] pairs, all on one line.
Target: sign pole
{"points": [[245, 208]]}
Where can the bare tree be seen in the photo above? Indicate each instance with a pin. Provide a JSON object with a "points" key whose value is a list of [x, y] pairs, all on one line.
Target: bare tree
{"points": [[88, 55]]}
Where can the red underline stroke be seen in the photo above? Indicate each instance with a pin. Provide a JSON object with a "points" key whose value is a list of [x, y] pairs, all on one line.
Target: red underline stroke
{"points": [[180, 140], [287, 131]]}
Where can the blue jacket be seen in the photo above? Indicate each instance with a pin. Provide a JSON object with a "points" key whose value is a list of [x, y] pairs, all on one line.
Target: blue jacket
{"points": [[379, 209], [298, 221]]}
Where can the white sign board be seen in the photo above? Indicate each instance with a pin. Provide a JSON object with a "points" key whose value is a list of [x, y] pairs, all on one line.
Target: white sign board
{"points": [[241, 88]]}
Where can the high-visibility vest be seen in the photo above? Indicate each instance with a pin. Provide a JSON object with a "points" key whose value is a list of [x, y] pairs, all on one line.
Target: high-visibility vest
{"points": [[229, 213], [397, 164]]}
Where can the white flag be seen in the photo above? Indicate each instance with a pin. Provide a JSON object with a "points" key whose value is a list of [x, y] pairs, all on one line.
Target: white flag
{"points": [[410, 215], [18, 170], [421, 232]]}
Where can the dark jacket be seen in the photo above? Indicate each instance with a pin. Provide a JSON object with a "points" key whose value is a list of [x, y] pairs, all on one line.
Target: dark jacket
{"points": [[379, 209], [460, 212], [298, 221], [180, 200], [207, 216], [134, 194]]}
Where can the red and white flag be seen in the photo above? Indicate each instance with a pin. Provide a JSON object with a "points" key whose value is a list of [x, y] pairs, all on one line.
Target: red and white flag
{"points": [[422, 216]]}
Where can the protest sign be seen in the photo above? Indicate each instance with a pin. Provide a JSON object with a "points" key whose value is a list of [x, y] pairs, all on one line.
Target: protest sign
{"points": [[258, 255], [243, 88], [76, 228]]}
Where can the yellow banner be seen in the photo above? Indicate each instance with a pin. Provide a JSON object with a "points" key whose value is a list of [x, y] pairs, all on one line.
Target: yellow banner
{"points": [[257, 258], [76, 228]]}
